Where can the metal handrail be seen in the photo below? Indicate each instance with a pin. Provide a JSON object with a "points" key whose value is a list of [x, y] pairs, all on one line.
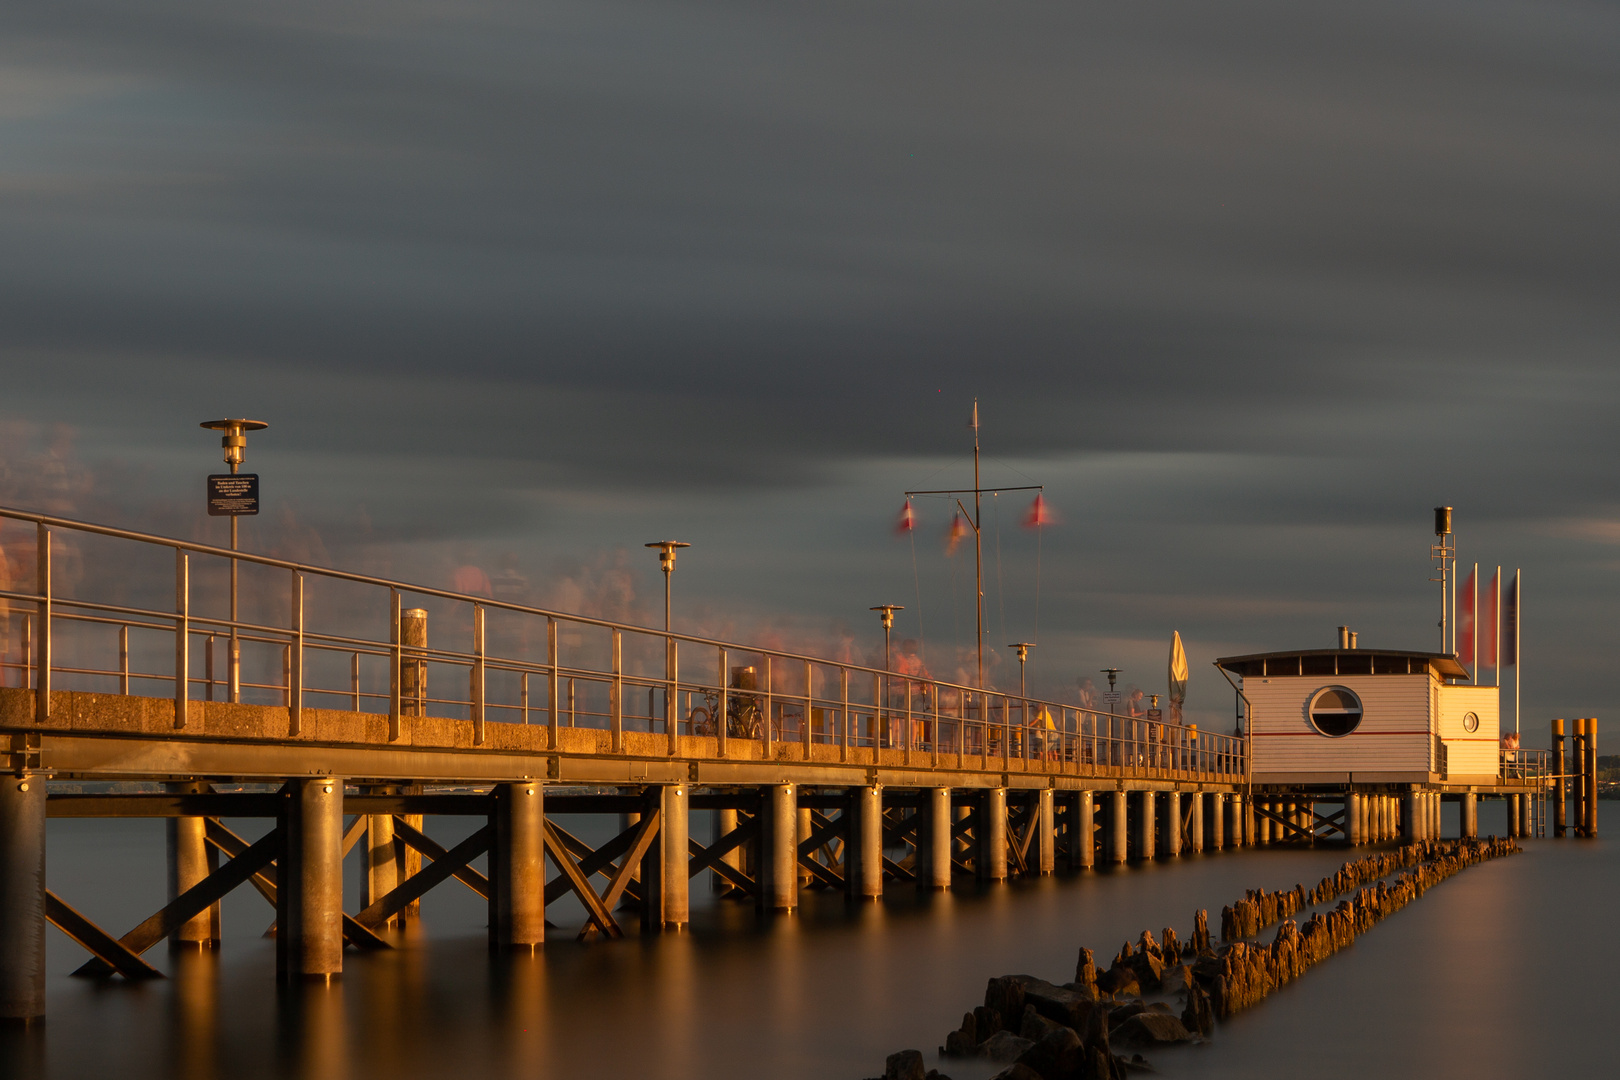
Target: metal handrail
{"points": [[925, 717]]}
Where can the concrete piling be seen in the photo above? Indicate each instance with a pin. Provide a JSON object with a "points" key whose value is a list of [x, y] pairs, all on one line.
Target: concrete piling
{"points": [[517, 879], [1045, 833], [933, 841], [22, 899], [1144, 825], [1352, 819], [1468, 814], [379, 873], [1217, 820], [991, 829], [863, 864], [309, 893], [189, 860], [1195, 821], [779, 832], [674, 836], [1172, 823], [1118, 834], [1082, 838], [725, 822]]}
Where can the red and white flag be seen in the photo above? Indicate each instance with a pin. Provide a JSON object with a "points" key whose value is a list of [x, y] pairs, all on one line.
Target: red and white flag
{"points": [[958, 533], [908, 520], [1488, 624], [1510, 623], [1465, 619], [1040, 515]]}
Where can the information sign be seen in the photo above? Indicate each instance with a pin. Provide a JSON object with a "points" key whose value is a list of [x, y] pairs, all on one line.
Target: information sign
{"points": [[233, 494]]}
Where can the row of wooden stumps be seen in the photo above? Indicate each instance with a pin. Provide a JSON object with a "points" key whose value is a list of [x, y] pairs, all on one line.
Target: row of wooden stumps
{"points": [[1575, 773], [1043, 1031]]}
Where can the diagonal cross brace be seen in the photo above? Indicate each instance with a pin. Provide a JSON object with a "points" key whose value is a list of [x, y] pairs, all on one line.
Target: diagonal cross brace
{"points": [[106, 948], [646, 832], [564, 861], [193, 901], [443, 866]]}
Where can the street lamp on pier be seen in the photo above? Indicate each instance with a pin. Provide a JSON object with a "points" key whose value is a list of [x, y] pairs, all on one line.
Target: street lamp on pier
{"points": [[1023, 648], [234, 442], [666, 562]]}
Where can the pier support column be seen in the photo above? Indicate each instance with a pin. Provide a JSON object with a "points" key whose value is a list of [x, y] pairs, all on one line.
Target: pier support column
{"points": [[22, 899], [1262, 825], [1469, 816], [674, 836], [1527, 814], [1145, 824], [1512, 802], [1082, 832], [1045, 834], [309, 893], [379, 868], [1172, 824], [1352, 819], [1560, 791], [991, 857], [806, 826], [1217, 820], [1240, 819], [1195, 821], [725, 821], [190, 859], [1118, 835], [778, 855], [863, 863], [517, 868], [934, 841], [1409, 818]]}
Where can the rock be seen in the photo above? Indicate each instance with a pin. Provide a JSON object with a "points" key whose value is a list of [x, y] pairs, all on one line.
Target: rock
{"points": [[1057, 1056], [1006, 995], [1016, 1071], [957, 1044], [935, 1074], [1121, 1013], [986, 1022], [906, 1065], [1138, 1063], [1004, 1046], [1085, 970], [1151, 1029], [1099, 1064], [1120, 980], [1175, 979], [1199, 1015], [1148, 964], [1036, 1027], [1057, 1003]]}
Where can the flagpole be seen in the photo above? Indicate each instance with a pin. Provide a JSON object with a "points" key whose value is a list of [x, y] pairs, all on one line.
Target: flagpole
{"points": [[978, 549], [1496, 630], [1518, 646]]}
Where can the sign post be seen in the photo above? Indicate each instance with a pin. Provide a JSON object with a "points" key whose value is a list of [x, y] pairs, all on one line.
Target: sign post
{"points": [[233, 495]]}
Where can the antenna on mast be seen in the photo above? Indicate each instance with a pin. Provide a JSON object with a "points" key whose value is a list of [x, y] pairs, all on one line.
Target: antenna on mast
{"points": [[1444, 554]]}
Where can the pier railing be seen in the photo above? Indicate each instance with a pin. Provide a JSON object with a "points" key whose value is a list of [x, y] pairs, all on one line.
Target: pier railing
{"points": [[117, 611]]}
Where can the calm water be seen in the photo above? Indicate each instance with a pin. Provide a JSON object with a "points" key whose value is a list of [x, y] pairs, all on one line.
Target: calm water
{"points": [[1505, 970]]}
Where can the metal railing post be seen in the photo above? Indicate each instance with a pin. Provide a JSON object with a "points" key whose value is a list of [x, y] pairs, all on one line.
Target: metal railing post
{"points": [[182, 635], [396, 656], [354, 677], [616, 693], [908, 734], [477, 694], [42, 643], [765, 724], [523, 696], [672, 705], [809, 705], [722, 705], [554, 691], [295, 656], [123, 659], [843, 714]]}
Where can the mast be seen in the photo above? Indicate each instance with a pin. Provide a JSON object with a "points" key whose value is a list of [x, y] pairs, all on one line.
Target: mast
{"points": [[978, 548]]}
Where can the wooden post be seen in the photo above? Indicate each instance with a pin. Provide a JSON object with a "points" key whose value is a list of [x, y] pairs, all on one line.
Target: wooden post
{"points": [[22, 898], [517, 865], [190, 859], [309, 894], [934, 843], [990, 830], [1591, 777], [1560, 791]]}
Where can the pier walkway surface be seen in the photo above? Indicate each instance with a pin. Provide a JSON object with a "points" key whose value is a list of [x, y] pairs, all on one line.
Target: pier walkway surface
{"points": [[249, 686]]}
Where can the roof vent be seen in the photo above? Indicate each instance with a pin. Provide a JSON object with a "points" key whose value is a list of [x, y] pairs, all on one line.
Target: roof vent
{"points": [[1344, 637]]}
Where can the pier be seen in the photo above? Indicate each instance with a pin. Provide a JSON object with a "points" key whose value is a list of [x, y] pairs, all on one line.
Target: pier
{"points": [[346, 708]]}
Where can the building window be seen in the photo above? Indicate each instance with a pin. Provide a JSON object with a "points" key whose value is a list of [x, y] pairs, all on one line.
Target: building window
{"points": [[1471, 722], [1335, 711]]}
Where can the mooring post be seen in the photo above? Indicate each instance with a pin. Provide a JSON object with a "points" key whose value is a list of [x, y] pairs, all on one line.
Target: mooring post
{"points": [[1083, 829], [991, 830], [22, 898], [1118, 834], [309, 893], [779, 875], [863, 863], [1560, 792], [1045, 833], [517, 868], [1591, 777], [380, 869], [1171, 826], [190, 859], [934, 844]]}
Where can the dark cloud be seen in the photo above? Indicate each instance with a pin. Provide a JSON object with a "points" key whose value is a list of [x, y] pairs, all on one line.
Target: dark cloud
{"points": [[1253, 285]]}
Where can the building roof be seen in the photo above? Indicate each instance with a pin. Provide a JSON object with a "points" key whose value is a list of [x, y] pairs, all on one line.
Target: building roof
{"points": [[1303, 662]]}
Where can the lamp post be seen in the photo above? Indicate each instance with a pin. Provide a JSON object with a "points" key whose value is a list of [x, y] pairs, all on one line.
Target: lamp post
{"points": [[886, 614], [234, 441], [666, 562], [1023, 648]]}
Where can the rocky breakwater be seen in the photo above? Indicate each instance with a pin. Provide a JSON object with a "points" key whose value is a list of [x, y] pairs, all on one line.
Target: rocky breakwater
{"points": [[1159, 992]]}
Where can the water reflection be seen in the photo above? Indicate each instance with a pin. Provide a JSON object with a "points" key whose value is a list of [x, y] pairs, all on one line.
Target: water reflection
{"points": [[312, 1042], [193, 1014]]}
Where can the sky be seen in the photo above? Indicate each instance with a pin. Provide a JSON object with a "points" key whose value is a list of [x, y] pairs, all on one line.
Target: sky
{"points": [[1249, 287]]}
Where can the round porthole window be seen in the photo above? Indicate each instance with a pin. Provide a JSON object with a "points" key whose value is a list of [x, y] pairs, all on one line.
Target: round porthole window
{"points": [[1335, 711], [1471, 722]]}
